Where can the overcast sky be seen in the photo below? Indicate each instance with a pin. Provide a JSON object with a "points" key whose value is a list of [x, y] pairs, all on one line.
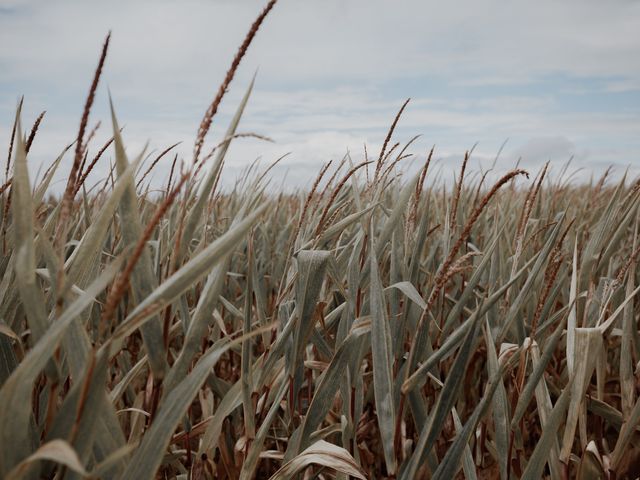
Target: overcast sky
{"points": [[557, 79]]}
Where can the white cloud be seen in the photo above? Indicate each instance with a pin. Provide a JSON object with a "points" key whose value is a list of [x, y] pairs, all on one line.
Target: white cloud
{"points": [[327, 69], [190, 43]]}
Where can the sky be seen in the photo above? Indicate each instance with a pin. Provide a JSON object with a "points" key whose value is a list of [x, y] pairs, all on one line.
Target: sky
{"points": [[554, 80]]}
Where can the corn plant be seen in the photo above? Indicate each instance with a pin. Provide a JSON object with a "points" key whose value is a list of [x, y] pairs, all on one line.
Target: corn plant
{"points": [[376, 325]]}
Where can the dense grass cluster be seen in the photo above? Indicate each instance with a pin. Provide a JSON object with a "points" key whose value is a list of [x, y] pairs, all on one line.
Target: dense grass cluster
{"points": [[374, 326]]}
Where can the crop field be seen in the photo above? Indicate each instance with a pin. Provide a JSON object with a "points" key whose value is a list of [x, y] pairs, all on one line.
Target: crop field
{"points": [[378, 324]]}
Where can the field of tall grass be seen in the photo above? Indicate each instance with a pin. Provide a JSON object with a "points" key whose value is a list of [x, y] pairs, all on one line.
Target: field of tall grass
{"points": [[376, 325]]}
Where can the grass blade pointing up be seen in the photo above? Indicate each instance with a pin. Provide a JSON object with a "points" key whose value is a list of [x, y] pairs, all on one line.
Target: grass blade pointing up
{"points": [[143, 281], [444, 403], [381, 349]]}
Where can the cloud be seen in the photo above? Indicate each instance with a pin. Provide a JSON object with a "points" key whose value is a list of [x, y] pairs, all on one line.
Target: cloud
{"points": [[332, 75], [540, 150]]}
